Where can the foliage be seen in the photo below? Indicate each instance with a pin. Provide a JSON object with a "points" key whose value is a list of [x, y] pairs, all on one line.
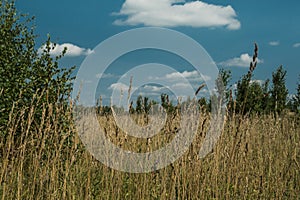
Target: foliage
{"points": [[222, 85], [253, 97], [25, 72], [243, 86], [167, 104], [147, 105], [279, 91], [296, 98], [266, 99], [139, 105], [222, 96]]}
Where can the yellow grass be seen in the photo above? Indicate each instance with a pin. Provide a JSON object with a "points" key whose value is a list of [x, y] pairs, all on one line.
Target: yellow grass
{"points": [[256, 158]]}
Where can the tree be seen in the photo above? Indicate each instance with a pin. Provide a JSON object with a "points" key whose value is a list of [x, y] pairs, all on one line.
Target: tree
{"points": [[167, 104], [26, 73], [221, 97], [279, 91], [296, 98], [243, 86], [255, 98], [222, 87], [139, 105], [147, 105], [164, 100], [266, 100]]}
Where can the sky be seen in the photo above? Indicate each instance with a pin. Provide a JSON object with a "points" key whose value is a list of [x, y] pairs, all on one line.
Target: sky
{"points": [[226, 29]]}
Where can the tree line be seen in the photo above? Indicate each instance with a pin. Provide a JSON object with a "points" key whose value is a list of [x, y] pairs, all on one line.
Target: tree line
{"points": [[249, 97]]}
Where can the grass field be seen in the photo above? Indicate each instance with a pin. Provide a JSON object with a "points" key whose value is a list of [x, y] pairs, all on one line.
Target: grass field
{"points": [[256, 157]]}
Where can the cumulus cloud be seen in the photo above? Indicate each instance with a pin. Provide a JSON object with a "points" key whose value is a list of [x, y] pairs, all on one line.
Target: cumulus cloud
{"points": [[149, 94], [296, 45], [274, 43], [154, 88], [72, 50], [108, 75], [119, 87], [174, 13], [163, 89], [184, 74], [243, 61], [181, 86], [190, 75]]}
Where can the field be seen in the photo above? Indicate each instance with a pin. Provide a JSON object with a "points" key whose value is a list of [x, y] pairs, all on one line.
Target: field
{"points": [[256, 157]]}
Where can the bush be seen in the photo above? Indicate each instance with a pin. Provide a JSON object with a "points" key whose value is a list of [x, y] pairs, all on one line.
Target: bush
{"points": [[27, 76]]}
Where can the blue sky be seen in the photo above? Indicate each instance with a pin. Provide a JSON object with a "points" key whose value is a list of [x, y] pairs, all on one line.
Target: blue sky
{"points": [[226, 29]]}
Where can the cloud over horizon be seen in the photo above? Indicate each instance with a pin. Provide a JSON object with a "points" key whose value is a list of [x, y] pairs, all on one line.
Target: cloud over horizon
{"points": [[119, 87], [243, 61], [174, 13], [172, 81], [274, 43], [72, 50], [190, 75], [296, 45]]}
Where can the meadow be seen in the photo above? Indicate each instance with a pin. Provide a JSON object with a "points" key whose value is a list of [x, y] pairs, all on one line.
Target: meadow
{"points": [[256, 157]]}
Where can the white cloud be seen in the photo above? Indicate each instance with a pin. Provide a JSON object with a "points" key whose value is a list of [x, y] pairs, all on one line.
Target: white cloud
{"points": [[72, 50], [119, 87], [190, 75], [181, 86], [149, 94], [154, 88], [168, 13], [184, 74], [274, 43], [109, 75], [243, 61], [296, 45]]}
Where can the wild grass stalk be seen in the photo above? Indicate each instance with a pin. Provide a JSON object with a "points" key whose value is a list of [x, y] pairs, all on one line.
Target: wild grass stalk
{"points": [[50, 162]]}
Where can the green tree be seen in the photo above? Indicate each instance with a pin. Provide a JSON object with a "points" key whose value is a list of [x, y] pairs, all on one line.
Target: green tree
{"points": [[147, 105], [139, 105], [255, 98], [266, 100], [296, 98], [143, 105], [26, 73], [279, 92], [167, 104], [243, 86], [164, 100], [221, 97], [222, 87]]}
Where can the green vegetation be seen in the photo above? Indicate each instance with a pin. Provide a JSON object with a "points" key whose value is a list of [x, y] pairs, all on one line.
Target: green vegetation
{"points": [[27, 77], [295, 102]]}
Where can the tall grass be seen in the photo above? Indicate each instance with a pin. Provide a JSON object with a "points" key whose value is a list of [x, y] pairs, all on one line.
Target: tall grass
{"points": [[257, 157]]}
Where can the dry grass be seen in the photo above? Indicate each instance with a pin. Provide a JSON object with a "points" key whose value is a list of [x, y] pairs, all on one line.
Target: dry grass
{"points": [[256, 158]]}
